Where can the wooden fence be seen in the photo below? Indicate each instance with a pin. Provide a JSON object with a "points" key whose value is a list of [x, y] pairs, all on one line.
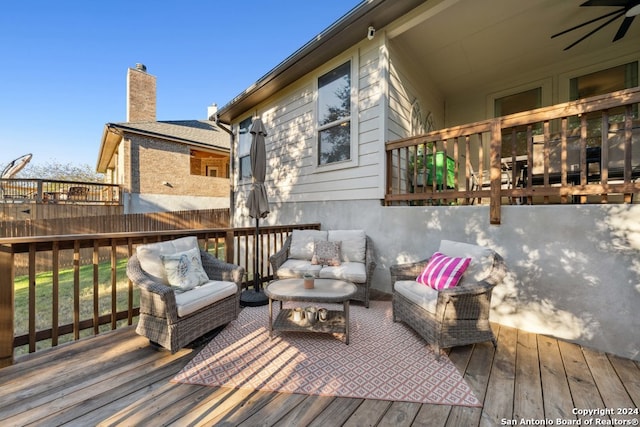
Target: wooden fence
{"points": [[157, 221], [86, 224]]}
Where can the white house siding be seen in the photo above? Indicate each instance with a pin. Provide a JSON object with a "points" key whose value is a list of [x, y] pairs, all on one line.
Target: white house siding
{"points": [[292, 174]]}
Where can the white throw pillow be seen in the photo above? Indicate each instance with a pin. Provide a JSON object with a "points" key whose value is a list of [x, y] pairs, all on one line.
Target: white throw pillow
{"points": [[354, 244], [184, 269], [303, 243], [149, 255], [481, 259]]}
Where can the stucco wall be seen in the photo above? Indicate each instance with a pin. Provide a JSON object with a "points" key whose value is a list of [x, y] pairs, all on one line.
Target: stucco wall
{"points": [[574, 269]]}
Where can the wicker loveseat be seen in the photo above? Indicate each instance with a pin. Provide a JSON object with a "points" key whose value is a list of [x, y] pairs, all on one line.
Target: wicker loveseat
{"points": [[173, 317], [356, 264], [454, 316]]}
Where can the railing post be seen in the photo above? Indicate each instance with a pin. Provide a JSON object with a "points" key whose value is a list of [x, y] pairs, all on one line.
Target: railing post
{"points": [[39, 191], [229, 245], [495, 173], [6, 306]]}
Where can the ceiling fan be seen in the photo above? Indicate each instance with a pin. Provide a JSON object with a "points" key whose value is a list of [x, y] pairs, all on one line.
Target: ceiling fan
{"points": [[627, 8]]}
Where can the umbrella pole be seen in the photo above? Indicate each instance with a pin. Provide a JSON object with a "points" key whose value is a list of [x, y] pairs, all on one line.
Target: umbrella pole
{"points": [[256, 275], [255, 297]]}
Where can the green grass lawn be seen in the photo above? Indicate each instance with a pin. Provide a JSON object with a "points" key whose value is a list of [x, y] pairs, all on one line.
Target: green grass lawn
{"points": [[44, 298]]}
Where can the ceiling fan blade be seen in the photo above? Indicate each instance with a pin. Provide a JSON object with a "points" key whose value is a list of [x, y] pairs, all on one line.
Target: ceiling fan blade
{"points": [[594, 30], [605, 3], [623, 28], [616, 12]]}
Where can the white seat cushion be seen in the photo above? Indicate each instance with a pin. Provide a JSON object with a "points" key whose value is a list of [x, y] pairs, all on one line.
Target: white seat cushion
{"points": [[353, 246], [296, 268], [303, 243], [149, 255], [349, 271], [421, 295], [201, 296]]}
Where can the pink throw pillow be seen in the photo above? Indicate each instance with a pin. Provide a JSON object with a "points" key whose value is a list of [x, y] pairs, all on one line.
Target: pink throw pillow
{"points": [[443, 272]]}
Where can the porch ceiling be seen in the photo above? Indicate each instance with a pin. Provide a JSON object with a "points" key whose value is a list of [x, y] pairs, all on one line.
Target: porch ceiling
{"points": [[471, 43]]}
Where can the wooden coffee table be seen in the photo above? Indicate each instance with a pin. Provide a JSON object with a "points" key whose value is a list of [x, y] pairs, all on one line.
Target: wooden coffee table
{"points": [[324, 291]]}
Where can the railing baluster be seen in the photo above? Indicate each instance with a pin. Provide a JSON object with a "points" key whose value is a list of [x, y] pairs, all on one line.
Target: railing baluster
{"points": [[563, 157], [32, 297], [628, 135], [76, 289], [583, 154], [114, 283], [604, 155], [96, 288], [55, 298], [129, 286]]}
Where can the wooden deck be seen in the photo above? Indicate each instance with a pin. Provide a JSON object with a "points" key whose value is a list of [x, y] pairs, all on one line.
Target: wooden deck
{"points": [[119, 379]]}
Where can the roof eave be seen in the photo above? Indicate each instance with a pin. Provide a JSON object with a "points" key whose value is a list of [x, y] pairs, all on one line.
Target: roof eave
{"points": [[110, 141], [344, 33]]}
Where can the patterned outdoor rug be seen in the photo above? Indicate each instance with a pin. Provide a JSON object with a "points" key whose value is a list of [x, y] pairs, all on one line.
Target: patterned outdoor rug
{"points": [[384, 360]]}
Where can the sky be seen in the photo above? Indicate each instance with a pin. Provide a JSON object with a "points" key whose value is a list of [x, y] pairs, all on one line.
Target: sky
{"points": [[63, 64]]}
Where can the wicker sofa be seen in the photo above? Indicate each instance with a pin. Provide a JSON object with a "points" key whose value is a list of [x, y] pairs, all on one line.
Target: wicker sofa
{"points": [[356, 264], [172, 317], [454, 316]]}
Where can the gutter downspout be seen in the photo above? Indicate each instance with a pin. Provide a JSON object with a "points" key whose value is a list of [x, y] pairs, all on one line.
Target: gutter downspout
{"points": [[232, 202]]}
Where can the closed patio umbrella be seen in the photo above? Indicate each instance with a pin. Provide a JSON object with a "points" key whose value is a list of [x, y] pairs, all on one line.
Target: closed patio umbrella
{"points": [[258, 205]]}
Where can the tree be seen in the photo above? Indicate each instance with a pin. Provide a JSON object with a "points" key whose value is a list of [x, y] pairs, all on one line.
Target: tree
{"points": [[55, 170]]}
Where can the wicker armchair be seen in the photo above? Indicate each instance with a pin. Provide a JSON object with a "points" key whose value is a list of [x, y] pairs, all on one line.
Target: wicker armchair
{"points": [[461, 314], [363, 288], [159, 320]]}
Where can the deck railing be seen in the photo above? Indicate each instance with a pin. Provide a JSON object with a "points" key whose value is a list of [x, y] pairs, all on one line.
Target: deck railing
{"points": [[93, 296], [55, 191], [586, 151]]}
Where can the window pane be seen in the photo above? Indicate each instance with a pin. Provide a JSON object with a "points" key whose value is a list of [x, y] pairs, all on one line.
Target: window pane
{"points": [[335, 144], [244, 137], [245, 167], [334, 95], [523, 101], [604, 81], [599, 83], [516, 103]]}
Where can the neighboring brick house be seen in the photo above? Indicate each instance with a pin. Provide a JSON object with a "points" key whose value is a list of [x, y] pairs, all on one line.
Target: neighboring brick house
{"points": [[164, 165]]}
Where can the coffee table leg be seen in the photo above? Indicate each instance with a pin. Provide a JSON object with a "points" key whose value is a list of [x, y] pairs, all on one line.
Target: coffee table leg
{"points": [[270, 318], [346, 319]]}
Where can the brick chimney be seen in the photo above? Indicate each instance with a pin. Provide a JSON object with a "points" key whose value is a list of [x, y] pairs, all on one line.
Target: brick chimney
{"points": [[141, 95]]}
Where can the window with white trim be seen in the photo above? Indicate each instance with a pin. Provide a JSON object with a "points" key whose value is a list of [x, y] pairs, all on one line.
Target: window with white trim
{"points": [[601, 82], [334, 115], [244, 149], [516, 103]]}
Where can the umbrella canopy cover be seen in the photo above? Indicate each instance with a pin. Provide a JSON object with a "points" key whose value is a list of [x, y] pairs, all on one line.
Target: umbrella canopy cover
{"points": [[15, 166], [258, 202]]}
